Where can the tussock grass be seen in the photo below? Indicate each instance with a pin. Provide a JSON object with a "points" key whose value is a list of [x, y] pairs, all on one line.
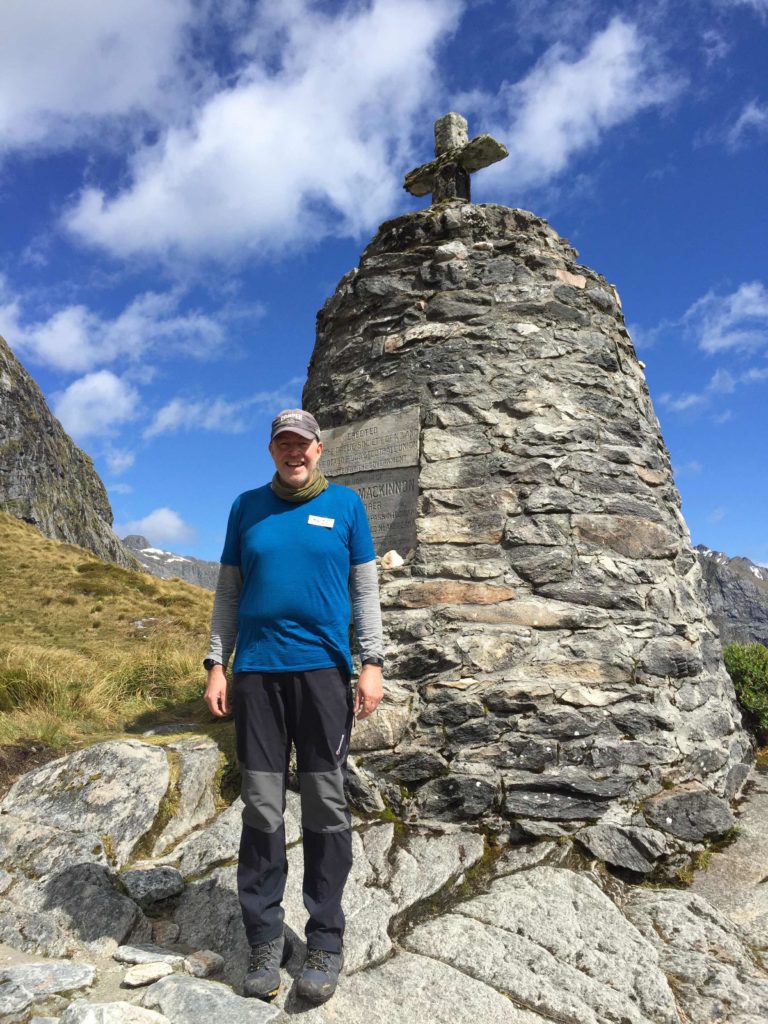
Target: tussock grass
{"points": [[88, 649]]}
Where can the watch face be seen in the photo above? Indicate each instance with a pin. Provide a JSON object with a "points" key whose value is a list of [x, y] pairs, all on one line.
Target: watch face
{"points": [[208, 664]]}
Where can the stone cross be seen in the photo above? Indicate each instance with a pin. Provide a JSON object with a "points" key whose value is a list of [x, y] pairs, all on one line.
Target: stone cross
{"points": [[447, 176]]}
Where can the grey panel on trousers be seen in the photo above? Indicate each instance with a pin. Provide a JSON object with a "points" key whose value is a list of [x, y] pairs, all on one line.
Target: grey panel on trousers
{"points": [[323, 803], [263, 794]]}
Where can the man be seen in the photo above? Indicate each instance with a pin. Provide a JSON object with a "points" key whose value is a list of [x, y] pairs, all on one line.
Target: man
{"points": [[294, 551]]}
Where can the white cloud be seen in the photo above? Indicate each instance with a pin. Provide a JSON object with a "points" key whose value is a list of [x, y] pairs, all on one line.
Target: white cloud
{"points": [[692, 468], [76, 339], [65, 66], [309, 140], [161, 526], [751, 123], [717, 515], [93, 405], [737, 321], [119, 460], [760, 7], [682, 402], [567, 102], [231, 417], [120, 489]]}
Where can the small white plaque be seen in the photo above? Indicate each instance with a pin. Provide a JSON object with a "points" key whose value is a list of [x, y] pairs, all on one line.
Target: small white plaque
{"points": [[321, 521]]}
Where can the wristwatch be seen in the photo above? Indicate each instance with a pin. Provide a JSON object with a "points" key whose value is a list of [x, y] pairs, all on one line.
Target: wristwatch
{"points": [[374, 661], [208, 663]]}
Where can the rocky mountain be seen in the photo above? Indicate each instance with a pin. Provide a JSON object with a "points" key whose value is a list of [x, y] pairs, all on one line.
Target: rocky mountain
{"points": [[45, 479], [551, 662], [738, 596], [167, 564]]}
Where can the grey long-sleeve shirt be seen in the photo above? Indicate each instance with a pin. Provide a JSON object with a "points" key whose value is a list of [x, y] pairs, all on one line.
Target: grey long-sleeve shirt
{"points": [[366, 612]]}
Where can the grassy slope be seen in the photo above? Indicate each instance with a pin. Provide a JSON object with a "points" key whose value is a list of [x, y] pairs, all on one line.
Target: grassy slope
{"points": [[89, 650]]}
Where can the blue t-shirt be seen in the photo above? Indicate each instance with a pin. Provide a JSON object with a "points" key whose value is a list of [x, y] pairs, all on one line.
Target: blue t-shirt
{"points": [[295, 560]]}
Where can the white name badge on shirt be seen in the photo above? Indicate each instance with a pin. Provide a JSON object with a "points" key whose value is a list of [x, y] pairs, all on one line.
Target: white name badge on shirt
{"points": [[320, 521]]}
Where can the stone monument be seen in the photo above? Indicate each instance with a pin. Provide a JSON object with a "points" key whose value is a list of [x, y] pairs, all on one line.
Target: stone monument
{"points": [[551, 664]]}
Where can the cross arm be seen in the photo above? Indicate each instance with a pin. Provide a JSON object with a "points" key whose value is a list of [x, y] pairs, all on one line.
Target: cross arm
{"points": [[482, 151]]}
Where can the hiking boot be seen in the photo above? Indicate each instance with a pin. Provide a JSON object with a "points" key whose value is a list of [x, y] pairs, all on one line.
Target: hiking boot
{"points": [[263, 977], [319, 975]]}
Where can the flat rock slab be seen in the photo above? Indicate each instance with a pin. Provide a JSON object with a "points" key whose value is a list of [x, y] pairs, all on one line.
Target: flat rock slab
{"points": [[140, 975], [555, 943], [198, 763], [734, 880], [411, 988], [185, 1000], [81, 1012], [689, 812], [45, 979], [36, 849], [716, 975], [146, 953], [624, 846], [426, 863], [111, 789], [218, 843]]}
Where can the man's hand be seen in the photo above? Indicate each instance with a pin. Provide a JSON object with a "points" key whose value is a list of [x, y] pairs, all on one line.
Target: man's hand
{"points": [[369, 691], [215, 695]]}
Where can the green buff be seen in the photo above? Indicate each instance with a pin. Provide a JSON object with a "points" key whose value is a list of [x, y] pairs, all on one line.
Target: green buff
{"points": [[316, 484]]}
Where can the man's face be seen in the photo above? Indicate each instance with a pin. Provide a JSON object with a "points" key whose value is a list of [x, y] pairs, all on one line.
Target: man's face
{"points": [[295, 457]]}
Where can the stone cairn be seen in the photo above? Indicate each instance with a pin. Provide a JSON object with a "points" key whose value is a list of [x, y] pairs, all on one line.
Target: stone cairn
{"points": [[551, 663]]}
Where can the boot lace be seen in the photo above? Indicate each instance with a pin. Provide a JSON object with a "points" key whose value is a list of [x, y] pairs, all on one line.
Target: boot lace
{"points": [[261, 956], [318, 959]]}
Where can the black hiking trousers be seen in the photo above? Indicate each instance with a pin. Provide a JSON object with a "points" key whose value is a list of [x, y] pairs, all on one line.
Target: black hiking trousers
{"points": [[312, 710]]}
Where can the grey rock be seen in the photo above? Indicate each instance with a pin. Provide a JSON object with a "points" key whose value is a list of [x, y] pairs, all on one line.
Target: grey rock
{"points": [[625, 846], [110, 789], [146, 953], [457, 798], [198, 763], [41, 980], [14, 999], [554, 943], [185, 1000], [164, 933], [715, 973], [418, 988], [426, 863], [31, 931], [84, 908], [35, 849], [68, 504], [81, 1012], [151, 885], [690, 812]]}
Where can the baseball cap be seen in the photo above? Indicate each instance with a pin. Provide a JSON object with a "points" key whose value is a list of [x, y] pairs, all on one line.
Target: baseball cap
{"points": [[298, 421]]}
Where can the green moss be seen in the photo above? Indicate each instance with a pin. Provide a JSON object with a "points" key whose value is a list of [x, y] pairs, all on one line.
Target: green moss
{"points": [[166, 811]]}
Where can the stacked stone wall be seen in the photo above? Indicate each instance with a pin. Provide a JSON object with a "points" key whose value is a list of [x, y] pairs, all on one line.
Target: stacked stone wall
{"points": [[550, 657]]}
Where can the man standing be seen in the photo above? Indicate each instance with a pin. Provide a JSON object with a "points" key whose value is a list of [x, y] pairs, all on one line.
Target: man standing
{"points": [[295, 549]]}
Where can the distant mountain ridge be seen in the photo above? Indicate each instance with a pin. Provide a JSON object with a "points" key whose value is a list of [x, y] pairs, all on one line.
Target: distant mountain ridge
{"points": [[45, 479], [167, 564], [738, 596]]}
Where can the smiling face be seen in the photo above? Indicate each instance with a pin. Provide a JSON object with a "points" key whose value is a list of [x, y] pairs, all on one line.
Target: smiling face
{"points": [[295, 458]]}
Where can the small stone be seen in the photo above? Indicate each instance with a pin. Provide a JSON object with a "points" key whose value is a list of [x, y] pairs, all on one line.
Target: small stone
{"points": [[204, 963], [392, 560], [145, 953], [183, 1000], [151, 886], [146, 974], [164, 933]]}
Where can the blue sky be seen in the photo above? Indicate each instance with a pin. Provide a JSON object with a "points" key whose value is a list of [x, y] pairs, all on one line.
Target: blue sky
{"points": [[183, 183]]}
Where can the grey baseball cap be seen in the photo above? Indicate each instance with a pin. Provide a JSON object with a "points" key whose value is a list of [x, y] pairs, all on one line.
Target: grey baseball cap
{"points": [[298, 421]]}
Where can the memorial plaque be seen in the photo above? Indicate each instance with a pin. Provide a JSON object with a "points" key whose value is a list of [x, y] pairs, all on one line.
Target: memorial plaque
{"points": [[384, 442], [390, 498], [378, 458]]}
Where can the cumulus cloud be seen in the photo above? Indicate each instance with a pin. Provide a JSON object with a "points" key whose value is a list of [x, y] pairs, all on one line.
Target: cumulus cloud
{"points": [[119, 460], [310, 139], [227, 416], [752, 123], [161, 526], [95, 404], [77, 339], [737, 321], [682, 402], [66, 66], [568, 101]]}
